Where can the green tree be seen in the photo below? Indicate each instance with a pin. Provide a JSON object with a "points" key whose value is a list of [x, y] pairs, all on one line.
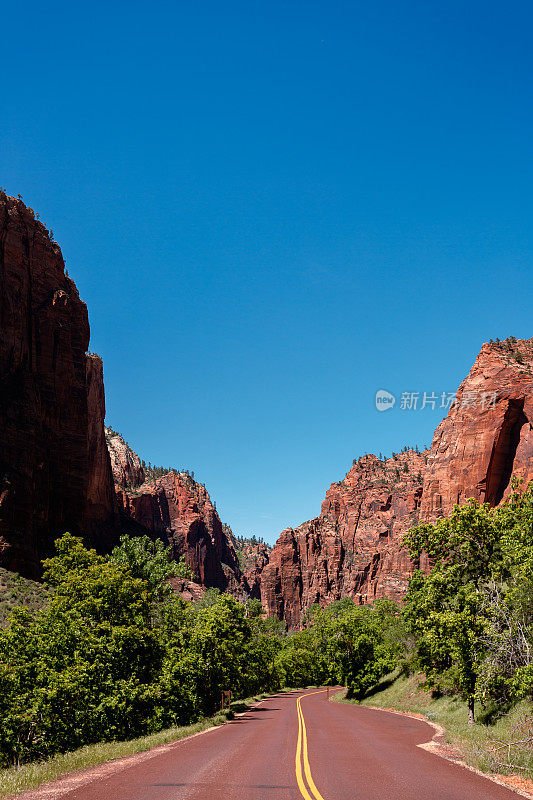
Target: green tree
{"points": [[147, 559], [445, 610], [85, 667]]}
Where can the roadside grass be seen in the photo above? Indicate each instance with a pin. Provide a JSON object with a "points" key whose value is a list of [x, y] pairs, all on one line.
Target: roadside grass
{"points": [[500, 742], [36, 773]]}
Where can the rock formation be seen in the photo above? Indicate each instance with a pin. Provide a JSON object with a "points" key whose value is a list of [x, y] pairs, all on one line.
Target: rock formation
{"points": [[352, 549], [488, 433], [54, 467], [253, 557], [128, 470], [178, 510]]}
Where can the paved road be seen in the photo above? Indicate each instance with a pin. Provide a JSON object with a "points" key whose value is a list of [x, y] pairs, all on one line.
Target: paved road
{"points": [[293, 746]]}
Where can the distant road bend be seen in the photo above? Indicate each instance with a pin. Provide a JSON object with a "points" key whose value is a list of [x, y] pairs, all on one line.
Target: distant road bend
{"points": [[291, 746]]}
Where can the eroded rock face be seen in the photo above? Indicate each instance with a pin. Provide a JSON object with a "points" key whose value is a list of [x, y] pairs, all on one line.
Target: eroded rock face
{"points": [[488, 433], [187, 590], [103, 524], [253, 557], [179, 510], [52, 464], [126, 465], [352, 549]]}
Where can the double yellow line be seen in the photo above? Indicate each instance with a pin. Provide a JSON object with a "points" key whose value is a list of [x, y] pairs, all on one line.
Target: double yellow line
{"points": [[309, 792]]}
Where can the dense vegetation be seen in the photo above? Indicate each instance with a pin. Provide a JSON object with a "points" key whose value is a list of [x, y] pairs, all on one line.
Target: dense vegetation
{"points": [[115, 654], [471, 619]]}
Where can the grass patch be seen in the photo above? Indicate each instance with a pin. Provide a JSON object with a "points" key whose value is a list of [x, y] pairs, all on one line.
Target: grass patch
{"points": [[18, 591], [499, 742], [33, 775]]}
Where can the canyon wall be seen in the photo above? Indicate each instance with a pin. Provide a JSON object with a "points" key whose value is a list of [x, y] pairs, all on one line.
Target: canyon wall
{"points": [[353, 548], [54, 470], [488, 433], [126, 465], [253, 555], [59, 469], [178, 510]]}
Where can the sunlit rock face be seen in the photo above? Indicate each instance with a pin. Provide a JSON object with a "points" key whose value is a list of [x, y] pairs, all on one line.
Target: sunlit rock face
{"points": [[128, 471], [488, 434], [353, 548]]}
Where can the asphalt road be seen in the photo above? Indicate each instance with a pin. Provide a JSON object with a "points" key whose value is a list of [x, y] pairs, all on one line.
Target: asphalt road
{"points": [[293, 746]]}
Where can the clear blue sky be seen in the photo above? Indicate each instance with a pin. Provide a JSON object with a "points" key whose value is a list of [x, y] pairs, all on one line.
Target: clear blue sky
{"points": [[272, 210]]}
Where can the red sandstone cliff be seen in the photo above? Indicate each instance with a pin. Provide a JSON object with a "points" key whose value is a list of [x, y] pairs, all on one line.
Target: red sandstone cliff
{"points": [[352, 549], [488, 433], [253, 555], [54, 467], [178, 510]]}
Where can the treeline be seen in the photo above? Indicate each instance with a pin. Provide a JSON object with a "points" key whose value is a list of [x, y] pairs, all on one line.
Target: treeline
{"points": [[245, 540], [152, 472], [115, 654]]}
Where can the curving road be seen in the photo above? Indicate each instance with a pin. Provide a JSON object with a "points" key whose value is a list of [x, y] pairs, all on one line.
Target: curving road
{"points": [[291, 746]]}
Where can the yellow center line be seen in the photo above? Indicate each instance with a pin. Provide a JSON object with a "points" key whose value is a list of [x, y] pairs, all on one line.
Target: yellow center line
{"points": [[301, 746]]}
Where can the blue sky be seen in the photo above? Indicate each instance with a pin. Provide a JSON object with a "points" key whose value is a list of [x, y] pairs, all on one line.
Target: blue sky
{"points": [[272, 210]]}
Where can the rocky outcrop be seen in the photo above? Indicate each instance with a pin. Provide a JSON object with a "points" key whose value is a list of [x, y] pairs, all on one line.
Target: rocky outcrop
{"points": [[353, 548], [54, 468], [179, 511], [187, 590], [128, 471], [253, 557], [488, 434]]}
